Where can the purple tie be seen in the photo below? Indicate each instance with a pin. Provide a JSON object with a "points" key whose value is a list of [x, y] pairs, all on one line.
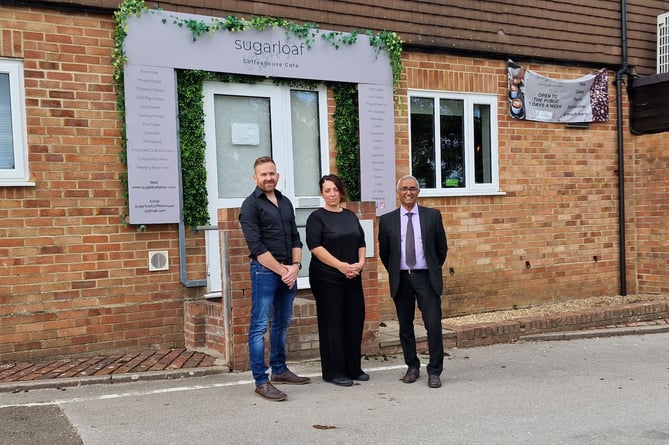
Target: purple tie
{"points": [[410, 251]]}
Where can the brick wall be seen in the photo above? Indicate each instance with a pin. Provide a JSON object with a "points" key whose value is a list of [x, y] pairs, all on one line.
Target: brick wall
{"points": [[553, 236], [649, 168], [74, 280]]}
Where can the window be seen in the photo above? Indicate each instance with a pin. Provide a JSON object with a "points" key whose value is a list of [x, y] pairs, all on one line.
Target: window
{"points": [[13, 147], [454, 143]]}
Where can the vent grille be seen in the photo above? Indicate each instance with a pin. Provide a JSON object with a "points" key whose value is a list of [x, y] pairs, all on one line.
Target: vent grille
{"points": [[663, 43], [158, 260]]}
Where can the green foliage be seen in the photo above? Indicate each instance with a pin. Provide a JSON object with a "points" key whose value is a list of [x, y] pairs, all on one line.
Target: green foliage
{"points": [[191, 138], [126, 9], [196, 27], [346, 123], [391, 43]]}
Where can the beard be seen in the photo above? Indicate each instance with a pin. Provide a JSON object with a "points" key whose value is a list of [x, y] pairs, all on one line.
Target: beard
{"points": [[267, 186]]}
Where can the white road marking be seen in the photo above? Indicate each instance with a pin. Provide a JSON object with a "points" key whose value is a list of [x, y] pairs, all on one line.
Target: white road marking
{"points": [[164, 391]]}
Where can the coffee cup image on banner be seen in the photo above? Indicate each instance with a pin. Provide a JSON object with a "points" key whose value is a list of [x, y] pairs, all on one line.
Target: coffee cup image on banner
{"points": [[517, 108]]}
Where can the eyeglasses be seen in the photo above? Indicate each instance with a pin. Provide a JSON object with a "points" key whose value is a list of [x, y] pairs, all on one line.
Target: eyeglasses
{"points": [[408, 189]]}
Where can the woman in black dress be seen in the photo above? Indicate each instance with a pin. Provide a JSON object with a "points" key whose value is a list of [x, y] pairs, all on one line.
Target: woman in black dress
{"points": [[337, 244]]}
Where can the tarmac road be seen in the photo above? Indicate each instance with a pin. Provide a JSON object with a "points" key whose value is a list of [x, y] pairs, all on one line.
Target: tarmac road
{"points": [[612, 390]]}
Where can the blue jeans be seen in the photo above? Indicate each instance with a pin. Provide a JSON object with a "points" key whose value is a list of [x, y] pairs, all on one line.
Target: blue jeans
{"points": [[269, 295]]}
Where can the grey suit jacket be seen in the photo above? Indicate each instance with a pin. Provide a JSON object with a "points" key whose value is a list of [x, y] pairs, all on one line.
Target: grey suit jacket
{"points": [[434, 245]]}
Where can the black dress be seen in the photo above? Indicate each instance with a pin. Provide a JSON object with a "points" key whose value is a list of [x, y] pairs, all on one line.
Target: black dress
{"points": [[340, 302]]}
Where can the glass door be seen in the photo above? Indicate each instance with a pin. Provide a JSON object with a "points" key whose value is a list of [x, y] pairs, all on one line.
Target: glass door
{"points": [[244, 122]]}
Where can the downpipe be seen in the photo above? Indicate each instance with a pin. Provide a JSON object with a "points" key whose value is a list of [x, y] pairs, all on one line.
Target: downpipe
{"points": [[624, 69]]}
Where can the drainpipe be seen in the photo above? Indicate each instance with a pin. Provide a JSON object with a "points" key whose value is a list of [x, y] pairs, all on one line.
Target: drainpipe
{"points": [[182, 259], [624, 68]]}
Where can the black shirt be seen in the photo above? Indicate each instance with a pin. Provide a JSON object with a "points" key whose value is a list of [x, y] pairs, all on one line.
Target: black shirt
{"points": [[341, 234], [270, 228]]}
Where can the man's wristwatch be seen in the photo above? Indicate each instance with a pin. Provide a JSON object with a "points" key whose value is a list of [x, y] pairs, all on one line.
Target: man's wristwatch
{"points": [[299, 265]]}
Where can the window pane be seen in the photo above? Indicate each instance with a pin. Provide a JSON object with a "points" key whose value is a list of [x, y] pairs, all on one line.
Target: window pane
{"points": [[422, 141], [451, 122], [242, 135], [301, 216], [6, 133], [482, 145], [306, 142], [454, 147]]}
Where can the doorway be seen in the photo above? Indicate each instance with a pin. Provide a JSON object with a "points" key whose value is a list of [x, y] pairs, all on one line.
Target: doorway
{"points": [[246, 121]]}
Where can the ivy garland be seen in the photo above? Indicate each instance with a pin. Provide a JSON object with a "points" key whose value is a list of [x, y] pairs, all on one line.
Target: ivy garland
{"points": [[191, 125], [191, 113], [346, 124]]}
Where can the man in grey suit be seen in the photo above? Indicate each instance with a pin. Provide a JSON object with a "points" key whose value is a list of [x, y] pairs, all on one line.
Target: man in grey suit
{"points": [[413, 247]]}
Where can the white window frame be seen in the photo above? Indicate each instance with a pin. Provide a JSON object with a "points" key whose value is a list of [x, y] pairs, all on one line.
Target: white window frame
{"points": [[20, 174], [469, 100]]}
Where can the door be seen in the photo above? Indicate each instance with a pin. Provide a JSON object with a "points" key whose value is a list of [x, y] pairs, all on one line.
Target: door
{"points": [[244, 122]]}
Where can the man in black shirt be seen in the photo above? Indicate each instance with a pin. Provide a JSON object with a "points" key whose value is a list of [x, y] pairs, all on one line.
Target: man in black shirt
{"points": [[268, 222]]}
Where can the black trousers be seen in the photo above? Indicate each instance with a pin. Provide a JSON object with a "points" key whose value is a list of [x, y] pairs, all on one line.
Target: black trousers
{"points": [[415, 287], [340, 310]]}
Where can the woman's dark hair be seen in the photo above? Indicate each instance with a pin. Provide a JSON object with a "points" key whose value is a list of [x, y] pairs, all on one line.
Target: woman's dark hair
{"points": [[337, 182]]}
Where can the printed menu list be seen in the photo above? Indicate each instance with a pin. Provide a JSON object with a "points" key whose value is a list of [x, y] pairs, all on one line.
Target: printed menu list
{"points": [[152, 145], [377, 146]]}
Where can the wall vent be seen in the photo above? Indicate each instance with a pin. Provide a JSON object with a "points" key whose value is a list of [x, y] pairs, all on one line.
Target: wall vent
{"points": [[663, 43], [158, 260]]}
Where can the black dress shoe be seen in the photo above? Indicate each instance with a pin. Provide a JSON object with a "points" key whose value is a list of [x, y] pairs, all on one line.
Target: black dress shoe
{"points": [[433, 381], [362, 377], [342, 381], [411, 375]]}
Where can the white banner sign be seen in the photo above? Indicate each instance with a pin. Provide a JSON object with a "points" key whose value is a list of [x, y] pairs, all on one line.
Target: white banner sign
{"points": [[539, 98]]}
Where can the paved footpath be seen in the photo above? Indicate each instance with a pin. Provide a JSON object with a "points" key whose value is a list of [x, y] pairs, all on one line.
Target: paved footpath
{"points": [[607, 390], [628, 319]]}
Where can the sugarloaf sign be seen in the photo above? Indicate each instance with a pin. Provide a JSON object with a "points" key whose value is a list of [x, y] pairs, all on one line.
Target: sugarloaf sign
{"points": [[259, 48], [154, 48], [264, 54]]}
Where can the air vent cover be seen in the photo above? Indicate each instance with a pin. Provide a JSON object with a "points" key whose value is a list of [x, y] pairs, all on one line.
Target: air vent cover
{"points": [[158, 260]]}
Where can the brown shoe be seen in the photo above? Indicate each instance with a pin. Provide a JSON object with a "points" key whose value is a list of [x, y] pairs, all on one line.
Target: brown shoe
{"points": [[290, 379], [433, 381], [269, 392], [411, 375]]}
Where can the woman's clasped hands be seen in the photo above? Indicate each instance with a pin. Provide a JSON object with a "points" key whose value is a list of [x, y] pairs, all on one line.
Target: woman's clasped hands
{"points": [[351, 270]]}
